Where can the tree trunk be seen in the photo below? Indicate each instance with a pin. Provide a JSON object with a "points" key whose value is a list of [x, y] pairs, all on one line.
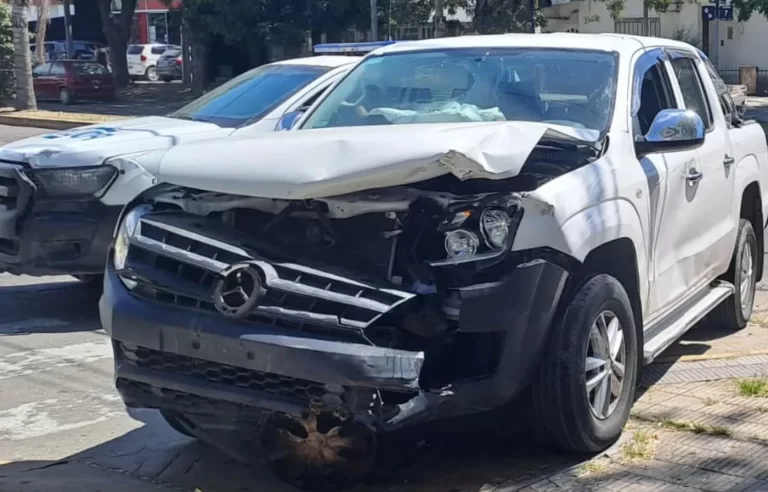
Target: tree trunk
{"points": [[68, 29], [646, 20], [117, 29], [199, 66], [25, 92], [43, 20]]}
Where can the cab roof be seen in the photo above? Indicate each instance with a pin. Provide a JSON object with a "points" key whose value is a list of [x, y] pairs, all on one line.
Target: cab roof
{"points": [[620, 43]]}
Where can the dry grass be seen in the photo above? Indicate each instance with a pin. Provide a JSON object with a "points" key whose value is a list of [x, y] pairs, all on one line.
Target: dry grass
{"points": [[752, 387], [695, 427], [640, 447], [590, 468]]}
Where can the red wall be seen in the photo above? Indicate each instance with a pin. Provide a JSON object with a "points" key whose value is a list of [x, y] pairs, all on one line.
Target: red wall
{"points": [[155, 5]]}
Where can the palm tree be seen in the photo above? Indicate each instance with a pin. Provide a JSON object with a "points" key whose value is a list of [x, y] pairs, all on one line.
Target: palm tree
{"points": [[43, 21], [25, 92]]}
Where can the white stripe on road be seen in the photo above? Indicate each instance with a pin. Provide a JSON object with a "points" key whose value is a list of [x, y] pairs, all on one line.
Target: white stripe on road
{"points": [[31, 325], [35, 361]]}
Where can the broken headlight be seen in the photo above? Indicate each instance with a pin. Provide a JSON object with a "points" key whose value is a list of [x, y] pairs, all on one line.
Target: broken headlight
{"points": [[125, 230], [72, 182]]}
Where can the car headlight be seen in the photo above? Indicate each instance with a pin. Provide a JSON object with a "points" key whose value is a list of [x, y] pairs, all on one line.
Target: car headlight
{"points": [[125, 230], [75, 182], [494, 224], [481, 231], [461, 243]]}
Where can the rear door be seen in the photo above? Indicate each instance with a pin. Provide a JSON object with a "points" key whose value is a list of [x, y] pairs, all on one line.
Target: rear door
{"points": [[716, 225]]}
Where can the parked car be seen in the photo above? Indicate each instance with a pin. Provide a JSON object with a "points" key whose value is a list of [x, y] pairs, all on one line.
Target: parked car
{"points": [[169, 65], [142, 59], [57, 50], [71, 80], [63, 191], [455, 221]]}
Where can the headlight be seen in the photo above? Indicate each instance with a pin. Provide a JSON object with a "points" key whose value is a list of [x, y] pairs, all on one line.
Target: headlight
{"points": [[494, 225], [461, 243], [125, 230], [72, 182]]}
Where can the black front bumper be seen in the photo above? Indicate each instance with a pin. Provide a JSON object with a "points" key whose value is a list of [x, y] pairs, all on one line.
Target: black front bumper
{"points": [[203, 363], [51, 237]]}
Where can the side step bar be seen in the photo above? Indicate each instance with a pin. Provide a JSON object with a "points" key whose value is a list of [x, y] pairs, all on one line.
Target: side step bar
{"points": [[685, 321]]}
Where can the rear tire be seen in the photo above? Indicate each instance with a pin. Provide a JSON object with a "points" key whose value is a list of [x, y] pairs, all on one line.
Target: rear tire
{"points": [[177, 422], [585, 384], [167, 80], [734, 312], [66, 96]]}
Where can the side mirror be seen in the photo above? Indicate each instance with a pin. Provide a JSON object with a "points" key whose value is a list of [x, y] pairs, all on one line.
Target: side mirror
{"points": [[672, 130], [289, 120]]}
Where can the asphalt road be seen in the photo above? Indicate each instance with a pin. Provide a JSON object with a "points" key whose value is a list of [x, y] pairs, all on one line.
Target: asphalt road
{"points": [[58, 405]]}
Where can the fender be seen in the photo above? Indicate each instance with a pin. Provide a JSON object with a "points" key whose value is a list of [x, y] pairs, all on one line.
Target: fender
{"points": [[584, 231]]}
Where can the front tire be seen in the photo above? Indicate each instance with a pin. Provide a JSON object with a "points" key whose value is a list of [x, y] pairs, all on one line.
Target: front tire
{"points": [[152, 74], [66, 96], [585, 384], [734, 312]]}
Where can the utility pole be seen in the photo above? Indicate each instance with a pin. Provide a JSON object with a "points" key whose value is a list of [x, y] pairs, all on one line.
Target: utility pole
{"points": [[439, 21], [374, 21], [532, 12]]}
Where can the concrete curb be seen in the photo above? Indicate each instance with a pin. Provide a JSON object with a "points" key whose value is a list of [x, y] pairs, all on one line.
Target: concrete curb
{"points": [[41, 122]]}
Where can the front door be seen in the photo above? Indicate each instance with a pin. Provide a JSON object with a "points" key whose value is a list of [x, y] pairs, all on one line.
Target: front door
{"points": [[42, 81]]}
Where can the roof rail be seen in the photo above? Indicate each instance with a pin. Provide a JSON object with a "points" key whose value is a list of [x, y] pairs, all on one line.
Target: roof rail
{"points": [[349, 48]]}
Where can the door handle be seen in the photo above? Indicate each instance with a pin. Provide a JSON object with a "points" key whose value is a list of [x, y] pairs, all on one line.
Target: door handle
{"points": [[728, 161], [694, 176]]}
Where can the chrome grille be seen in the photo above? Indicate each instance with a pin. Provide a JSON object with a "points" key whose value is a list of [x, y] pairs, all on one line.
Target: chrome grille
{"points": [[176, 259]]}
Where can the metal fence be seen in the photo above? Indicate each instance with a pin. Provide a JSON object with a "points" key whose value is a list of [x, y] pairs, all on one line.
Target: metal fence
{"points": [[731, 76]]}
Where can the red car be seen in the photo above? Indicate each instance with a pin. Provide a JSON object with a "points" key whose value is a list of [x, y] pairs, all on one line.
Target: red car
{"points": [[69, 80]]}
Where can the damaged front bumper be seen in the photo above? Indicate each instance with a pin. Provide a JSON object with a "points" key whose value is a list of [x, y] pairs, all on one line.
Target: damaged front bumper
{"points": [[175, 351], [51, 237]]}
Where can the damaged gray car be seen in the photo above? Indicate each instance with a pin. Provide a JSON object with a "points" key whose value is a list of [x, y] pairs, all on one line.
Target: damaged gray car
{"points": [[456, 223]]}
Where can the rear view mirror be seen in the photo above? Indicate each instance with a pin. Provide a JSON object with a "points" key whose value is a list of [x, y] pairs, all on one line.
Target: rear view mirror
{"points": [[289, 120], [672, 130]]}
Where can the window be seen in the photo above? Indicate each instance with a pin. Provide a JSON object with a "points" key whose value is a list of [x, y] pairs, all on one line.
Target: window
{"points": [[729, 32], [723, 94], [655, 95], [574, 87], [135, 49], [251, 95], [42, 70], [692, 89], [309, 102], [58, 69], [90, 69], [159, 50]]}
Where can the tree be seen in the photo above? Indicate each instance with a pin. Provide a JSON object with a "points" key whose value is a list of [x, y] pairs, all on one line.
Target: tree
{"points": [[68, 29], [7, 78], [25, 93], [748, 7], [117, 29], [43, 21]]}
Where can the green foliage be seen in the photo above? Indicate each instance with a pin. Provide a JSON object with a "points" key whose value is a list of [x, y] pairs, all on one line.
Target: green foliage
{"points": [[616, 9], [746, 8], [7, 75]]}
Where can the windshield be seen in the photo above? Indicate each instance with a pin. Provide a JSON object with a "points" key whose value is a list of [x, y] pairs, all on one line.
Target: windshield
{"points": [[560, 86], [90, 69], [251, 95], [171, 53]]}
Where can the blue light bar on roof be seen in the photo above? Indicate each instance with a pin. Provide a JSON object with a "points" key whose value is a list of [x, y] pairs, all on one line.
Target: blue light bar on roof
{"points": [[350, 48]]}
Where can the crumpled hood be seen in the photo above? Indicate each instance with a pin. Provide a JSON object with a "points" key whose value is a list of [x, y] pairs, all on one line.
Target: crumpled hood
{"points": [[329, 162], [91, 145]]}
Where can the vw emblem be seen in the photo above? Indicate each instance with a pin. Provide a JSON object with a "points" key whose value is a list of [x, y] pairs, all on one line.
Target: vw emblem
{"points": [[238, 291]]}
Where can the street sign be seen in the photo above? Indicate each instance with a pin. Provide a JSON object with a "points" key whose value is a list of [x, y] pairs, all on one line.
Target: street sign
{"points": [[725, 13]]}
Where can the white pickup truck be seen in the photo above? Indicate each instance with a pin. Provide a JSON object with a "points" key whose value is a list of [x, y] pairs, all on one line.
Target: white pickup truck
{"points": [[458, 223]]}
